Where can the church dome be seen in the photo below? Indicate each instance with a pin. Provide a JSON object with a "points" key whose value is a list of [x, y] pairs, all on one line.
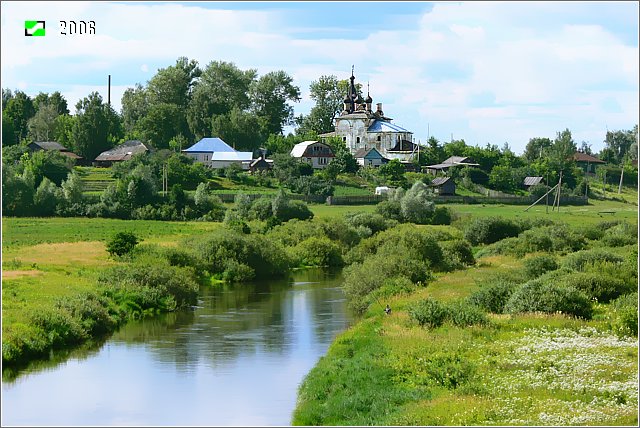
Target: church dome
{"points": [[368, 99]]}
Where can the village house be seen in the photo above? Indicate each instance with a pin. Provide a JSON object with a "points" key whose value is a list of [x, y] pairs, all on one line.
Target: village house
{"points": [[360, 127], [54, 146], [212, 152], [260, 164], [370, 157], [448, 163], [444, 186], [587, 162], [532, 181], [318, 154], [120, 153]]}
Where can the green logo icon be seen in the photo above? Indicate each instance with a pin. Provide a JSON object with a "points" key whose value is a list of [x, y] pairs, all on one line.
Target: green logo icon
{"points": [[34, 28]]}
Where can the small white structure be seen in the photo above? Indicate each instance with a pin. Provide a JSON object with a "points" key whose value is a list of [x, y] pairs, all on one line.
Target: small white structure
{"points": [[382, 190], [215, 153], [318, 154]]}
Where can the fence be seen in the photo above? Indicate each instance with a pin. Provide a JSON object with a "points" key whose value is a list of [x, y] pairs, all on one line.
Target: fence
{"points": [[508, 200]]}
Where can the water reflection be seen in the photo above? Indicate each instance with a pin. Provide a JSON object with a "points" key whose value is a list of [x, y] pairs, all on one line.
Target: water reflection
{"points": [[236, 359]]}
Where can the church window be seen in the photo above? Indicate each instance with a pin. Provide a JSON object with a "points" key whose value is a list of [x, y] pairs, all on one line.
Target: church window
{"points": [[379, 138], [358, 140]]}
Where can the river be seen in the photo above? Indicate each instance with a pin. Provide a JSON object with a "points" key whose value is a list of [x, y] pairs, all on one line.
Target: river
{"points": [[236, 359]]}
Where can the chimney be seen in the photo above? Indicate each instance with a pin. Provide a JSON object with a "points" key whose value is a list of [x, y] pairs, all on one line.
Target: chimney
{"points": [[109, 92]]}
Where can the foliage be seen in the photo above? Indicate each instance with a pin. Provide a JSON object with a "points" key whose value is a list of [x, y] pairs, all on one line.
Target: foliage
{"points": [[539, 295], [539, 265], [318, 251], [367, 224], [580, 260], [457, 254], [602, 288], [493, 296], [626, 314], [463, 314], [486, 230], [122, 243], [46, 198], [393, 173], [96, 127], [428, 313], [416, 206]]}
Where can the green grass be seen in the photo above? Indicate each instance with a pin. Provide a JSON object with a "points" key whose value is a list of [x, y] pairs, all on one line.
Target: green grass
{"points": [[28, 231], [341, 190], [386, 370], [327, 211]]}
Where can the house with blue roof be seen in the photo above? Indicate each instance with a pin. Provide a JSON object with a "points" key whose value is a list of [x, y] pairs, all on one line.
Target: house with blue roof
{"points": [[370, 157], [215, 153], [361, 127]]}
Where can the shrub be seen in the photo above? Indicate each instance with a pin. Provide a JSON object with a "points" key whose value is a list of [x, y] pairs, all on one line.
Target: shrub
{"points": [[596, 286], [428, 313], [338, 230], [442, 215], [578, 261], [92, 313], [540, 296], [319, 252], [374, 222], [537, 266], [416, 206], [487, 230], [237, 272], [463, 314], [261, 209], [389, 209], [620, 235], [295, 231], [449, 371], [295, 209], [625, 309], [493, 296], [122, 243], [457, 254], [59, 327], [141, 287]]}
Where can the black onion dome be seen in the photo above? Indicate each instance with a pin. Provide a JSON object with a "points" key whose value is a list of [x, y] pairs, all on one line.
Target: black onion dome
{"points": [[368, 99]]}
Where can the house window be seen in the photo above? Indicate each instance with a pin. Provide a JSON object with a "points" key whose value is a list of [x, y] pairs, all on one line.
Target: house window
{"points": [[357, 141], [379, 137], [344, 139]]}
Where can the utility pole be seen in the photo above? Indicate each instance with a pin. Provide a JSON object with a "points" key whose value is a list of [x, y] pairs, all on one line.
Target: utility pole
{"points": [[621, 175]]}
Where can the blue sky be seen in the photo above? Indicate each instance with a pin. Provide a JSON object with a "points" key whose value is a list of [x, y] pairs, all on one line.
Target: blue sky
{"points": [[490, 72]]}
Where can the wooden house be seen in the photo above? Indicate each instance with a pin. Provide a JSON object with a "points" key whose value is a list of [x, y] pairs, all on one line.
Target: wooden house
{"points": [[370, 157], [444, 186]]}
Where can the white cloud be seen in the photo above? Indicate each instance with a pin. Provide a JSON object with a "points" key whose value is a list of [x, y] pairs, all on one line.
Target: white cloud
{"points": [[539, 67]]}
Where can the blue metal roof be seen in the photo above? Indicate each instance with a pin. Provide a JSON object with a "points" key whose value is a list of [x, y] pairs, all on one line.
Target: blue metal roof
{"points": [[209, 145], [382, 126]]}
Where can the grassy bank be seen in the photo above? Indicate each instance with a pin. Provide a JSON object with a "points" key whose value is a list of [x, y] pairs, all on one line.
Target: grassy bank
{"points": [[442, 357], [529, 369]]}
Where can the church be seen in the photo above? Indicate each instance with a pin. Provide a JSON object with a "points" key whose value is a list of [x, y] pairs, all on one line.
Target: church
{"points": [[363, 128]]}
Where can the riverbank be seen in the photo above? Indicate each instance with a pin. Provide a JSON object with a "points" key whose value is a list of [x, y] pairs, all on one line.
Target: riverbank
{"points": [[513, 369]]}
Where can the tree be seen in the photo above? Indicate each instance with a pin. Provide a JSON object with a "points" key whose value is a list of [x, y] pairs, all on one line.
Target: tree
{"points": [[46, 198], [96, 127], [6, 96], [42, 126], [18, 111], [393, 172], [343, 160], [222, 86], [416, 205], [161, 124], [270, 95], [72, 188], [64, 130], [241, 129], [122, 243], [563, 146], [56, 100], [172, 85], [619, 143], [536, 148], [135, 104]]}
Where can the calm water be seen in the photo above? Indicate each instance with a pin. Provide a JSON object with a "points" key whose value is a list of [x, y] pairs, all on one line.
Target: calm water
{"points": [[237, 359]]}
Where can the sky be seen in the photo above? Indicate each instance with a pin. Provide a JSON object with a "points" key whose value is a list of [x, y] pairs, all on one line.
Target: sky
{"points": [[485, 72]]}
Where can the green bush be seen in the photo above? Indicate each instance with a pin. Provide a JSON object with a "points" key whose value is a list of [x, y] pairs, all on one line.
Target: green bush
{"points": [[295, 231], [487, 230], [389, 209], [493, 296], [59, 327], [237, 272], [463, 314], [92, 312], [620, 235], [456, 254], [316, 251], [603, 288], [625, 309], [261, 209], [374, 222], [142, 287], [540, 296], [442, 215], [448, 371], [579, 260], [537, 266], [428, 313], [122, 243]]}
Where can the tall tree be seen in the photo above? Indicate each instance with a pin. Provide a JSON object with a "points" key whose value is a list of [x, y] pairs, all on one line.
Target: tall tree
{"points": [[619, 143], [536, 148], [135, 105], [270, 95], [241, 129], [328, 93], [18, 111], [56, 99], [43, 126], [222, 86], [161, 124], [563, 146], [6, 96], [96, 127]]}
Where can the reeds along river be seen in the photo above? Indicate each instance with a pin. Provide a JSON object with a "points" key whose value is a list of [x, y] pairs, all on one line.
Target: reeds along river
{"points": [[236, 359]]}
